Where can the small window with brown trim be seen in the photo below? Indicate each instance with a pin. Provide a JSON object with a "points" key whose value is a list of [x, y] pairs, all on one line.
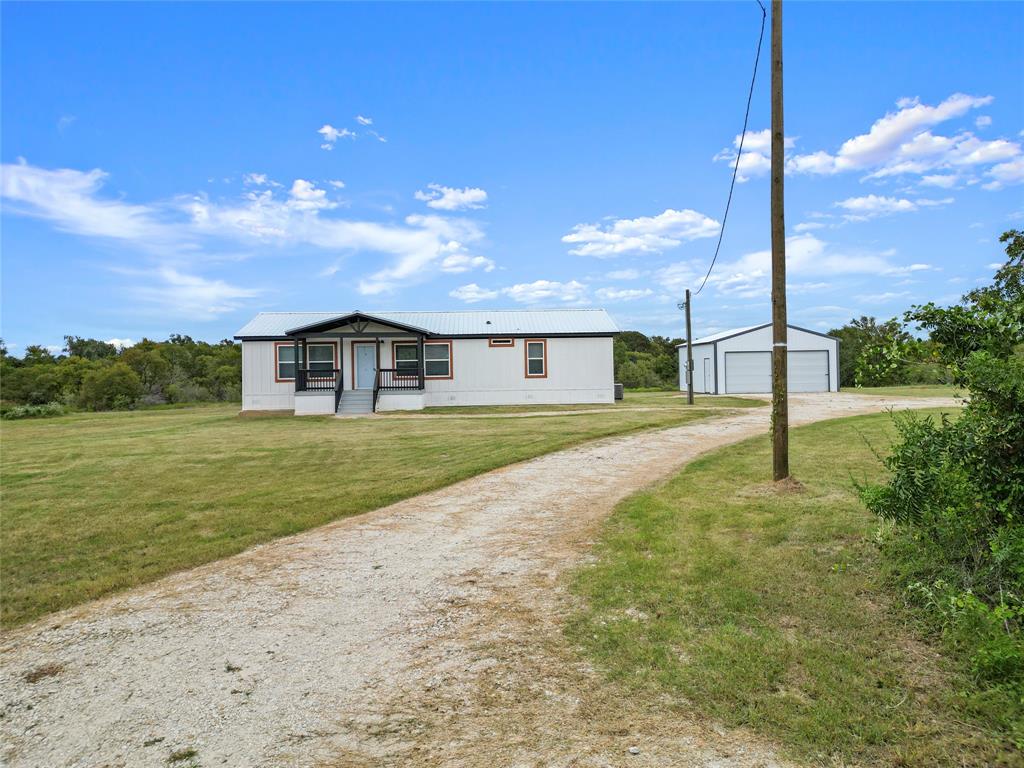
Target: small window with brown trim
{"points": [[536, 358], [501, 342]]}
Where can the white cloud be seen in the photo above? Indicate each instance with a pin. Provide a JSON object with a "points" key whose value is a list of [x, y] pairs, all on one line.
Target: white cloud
{"points": [[679, 276], [336, 183], [306, 197], [179, 294], [332, 134], [364, 120], [807, 226], [807, 256], [255, 180], [121, 343], [173, 233], [941, 180], [452, 199], [549, 291], [1005, 174], [473, 293], [622, 294], [459, 262], [378, 137], [882, 298], [69, 199], [623, 274], [756, 157], [902, 143], [983, 121], [545, 290], [647, 234], [873, 206]]}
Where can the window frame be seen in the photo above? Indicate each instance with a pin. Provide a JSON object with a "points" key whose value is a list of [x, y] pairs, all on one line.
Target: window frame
{"points": [[291, 344], [527, 358], [494, 342], [451, 359], [394, 357]]}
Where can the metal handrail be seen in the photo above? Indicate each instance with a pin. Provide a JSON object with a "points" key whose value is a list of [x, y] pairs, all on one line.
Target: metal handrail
{"points": [[317, 380]]}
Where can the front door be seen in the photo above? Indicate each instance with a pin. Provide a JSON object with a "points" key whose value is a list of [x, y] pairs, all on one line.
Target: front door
{"points": [[366, 365]]}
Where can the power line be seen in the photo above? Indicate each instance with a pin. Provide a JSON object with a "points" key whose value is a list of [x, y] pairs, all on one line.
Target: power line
{"points": [[743, 136]]}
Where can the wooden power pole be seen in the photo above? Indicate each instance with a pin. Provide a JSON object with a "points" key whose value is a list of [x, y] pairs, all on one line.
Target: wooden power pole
{"points": [[780, 405], [689, 353]]}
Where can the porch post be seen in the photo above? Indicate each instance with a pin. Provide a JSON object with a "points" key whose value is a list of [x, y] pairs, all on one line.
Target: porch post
{"points": [[376, 345], [298, 380], [419, 359]]}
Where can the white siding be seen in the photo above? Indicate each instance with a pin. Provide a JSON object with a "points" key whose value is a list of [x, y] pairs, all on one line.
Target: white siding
{"points": [[802, 379], [701, 353], [579, 370]]}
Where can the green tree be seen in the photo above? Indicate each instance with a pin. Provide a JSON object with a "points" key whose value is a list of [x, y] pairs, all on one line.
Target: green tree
{"points": [[90, 349], [109, 387]]}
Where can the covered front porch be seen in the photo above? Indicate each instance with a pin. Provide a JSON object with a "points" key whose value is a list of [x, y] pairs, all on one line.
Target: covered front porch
{"points": [[342, 367]]}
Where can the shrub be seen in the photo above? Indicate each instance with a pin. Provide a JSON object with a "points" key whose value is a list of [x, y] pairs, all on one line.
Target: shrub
{"points": [[34, 411], [956, 493], [31, 384], [113, 387]]}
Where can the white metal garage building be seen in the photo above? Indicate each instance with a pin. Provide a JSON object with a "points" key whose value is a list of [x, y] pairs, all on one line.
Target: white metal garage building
{"points": [[740, 361]]}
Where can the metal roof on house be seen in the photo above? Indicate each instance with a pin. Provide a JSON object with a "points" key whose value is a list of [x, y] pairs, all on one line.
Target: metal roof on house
{"points": [[713, 337], [501, 322]]}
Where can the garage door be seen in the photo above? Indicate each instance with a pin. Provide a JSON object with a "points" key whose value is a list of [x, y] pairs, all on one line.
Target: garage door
{"points": [[808, 371], [747, 372], [751, 372]]}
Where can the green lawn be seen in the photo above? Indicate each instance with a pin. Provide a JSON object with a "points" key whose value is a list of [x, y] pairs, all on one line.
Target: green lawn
{"points": [[94, 503], [631, 400], [720, 596], [917, 390]]}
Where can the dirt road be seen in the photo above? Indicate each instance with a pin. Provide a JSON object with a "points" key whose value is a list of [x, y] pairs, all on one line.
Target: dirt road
{"points": [[424, 633]]}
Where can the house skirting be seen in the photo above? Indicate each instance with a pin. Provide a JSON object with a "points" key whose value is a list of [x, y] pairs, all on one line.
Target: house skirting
{"points": [[314, 403]]}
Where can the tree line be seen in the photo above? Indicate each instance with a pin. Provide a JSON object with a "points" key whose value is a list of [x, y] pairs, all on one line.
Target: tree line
{"points": [[96, 375]]}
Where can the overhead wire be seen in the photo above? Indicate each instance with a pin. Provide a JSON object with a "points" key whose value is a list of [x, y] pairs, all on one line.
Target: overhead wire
{"points": [[739, 151]]}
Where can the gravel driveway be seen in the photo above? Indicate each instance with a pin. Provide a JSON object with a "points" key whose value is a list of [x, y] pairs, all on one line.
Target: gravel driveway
{"points": [[424, 633]]}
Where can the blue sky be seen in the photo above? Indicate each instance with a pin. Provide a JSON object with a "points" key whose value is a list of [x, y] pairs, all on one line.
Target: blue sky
{"points": [[179, 167]]}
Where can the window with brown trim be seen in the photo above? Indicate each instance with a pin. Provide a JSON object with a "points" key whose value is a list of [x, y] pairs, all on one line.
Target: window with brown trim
{"points": [[322, 357], [405, 358], [437, 360], [536, 352], [501, 342]]}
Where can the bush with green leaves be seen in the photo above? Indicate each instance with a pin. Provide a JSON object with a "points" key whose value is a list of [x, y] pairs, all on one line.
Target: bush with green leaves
{"points": [[955, 497], [113, 387], [34, 411]]}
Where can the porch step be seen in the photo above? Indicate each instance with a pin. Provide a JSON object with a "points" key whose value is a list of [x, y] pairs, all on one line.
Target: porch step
{"points": [[355, 401]]}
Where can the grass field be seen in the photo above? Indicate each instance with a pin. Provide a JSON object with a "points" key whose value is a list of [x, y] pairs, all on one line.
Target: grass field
{"points": [[94, 503], [725, 598], [631, 400]]}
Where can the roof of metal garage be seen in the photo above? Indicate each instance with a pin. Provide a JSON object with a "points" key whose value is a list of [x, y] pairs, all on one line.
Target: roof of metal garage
{"points": [[711, 338]]}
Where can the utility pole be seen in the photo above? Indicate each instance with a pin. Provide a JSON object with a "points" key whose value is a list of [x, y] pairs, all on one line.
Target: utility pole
{"points": [[689, 353], [780, 405]]}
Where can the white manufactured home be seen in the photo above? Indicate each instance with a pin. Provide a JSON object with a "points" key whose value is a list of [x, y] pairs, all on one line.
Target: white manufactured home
{"points": [[740, 361], [360, 362]]}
